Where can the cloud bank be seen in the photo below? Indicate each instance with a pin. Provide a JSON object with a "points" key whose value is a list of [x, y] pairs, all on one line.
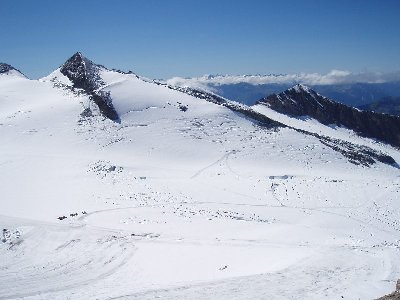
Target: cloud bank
{"points": [[333, 77]]}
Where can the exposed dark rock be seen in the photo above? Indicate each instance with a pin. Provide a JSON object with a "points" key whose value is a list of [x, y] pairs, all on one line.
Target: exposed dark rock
{"points": [[87, 113], [393, 296], [183, 107], [5, 68], [302, 101], [356, 154], [84, 74], [104, 168], [129, 72]]}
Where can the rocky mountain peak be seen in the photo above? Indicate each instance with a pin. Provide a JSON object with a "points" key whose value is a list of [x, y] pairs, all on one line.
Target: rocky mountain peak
{"points": [[301, 101], [85, 74], [77, 58], [6, 69], [299, 88], [82, 72]]}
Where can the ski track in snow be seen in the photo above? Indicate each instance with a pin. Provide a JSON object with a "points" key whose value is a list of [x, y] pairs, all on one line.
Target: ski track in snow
{"points": [[223, 158]]}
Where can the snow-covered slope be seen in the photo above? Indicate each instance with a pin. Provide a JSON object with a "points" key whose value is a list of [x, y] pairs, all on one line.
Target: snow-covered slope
{"points": [[182, 198], [304, 109]]}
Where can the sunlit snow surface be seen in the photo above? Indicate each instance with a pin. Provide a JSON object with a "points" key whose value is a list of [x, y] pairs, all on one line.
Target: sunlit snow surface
{"points": [[172, 204]]}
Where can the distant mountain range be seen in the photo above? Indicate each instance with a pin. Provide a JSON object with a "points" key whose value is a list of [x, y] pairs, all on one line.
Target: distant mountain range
{"points": [[387, 105], [342, 87]]}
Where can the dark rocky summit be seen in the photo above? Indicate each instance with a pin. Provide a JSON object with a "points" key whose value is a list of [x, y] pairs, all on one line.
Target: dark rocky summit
{"points": [[302, 101], [84, 74], [5, 68]]}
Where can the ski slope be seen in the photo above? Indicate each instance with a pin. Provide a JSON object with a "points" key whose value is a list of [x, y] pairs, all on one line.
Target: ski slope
{"points": [[174, 204]]}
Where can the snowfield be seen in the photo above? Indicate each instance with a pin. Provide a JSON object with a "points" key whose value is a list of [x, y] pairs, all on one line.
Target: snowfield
{"points": [[170, 203]]}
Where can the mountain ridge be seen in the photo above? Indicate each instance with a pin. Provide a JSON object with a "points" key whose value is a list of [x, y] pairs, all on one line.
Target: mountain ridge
{"points": [[301, 101], [95, 80], [9, 69], [84, 74], [247, 89]]}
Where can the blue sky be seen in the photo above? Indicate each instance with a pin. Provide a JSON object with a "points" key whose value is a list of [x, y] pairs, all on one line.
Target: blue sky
{"points": [[160, 39]]}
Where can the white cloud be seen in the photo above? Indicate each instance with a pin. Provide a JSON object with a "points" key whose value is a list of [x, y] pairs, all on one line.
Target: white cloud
{"points": [[333, 77]]}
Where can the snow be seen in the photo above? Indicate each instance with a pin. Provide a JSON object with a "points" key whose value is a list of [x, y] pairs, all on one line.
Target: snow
{"points": [[57, 76], [201, 204], [12, 73], [301, 87], [312, 125], [132, 94]]}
